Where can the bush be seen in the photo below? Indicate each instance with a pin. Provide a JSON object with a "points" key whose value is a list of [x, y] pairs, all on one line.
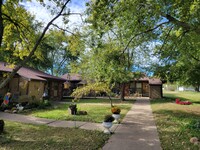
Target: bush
{"points": [[109, 118], [39, 105]]}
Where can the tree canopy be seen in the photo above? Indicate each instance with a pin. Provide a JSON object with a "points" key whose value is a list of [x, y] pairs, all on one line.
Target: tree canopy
{"points": [[118, 37], [26, 42], [173, 27]]}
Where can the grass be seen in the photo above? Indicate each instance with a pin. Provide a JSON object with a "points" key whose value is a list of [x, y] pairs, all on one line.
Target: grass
{"points": [[96, 109], [176, 124], [186, 95], [19, 136]]}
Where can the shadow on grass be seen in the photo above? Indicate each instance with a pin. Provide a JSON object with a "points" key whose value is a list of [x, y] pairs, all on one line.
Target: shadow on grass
{"points": [[178, 114], [162, 100], [196, 103], [99, 100], [180, 120], [170, 99], [175, 130], [50, 144], [23, 136], [54, 107]]}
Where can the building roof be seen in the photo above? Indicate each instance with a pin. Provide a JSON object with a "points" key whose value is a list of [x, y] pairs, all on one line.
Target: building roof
{"points": [[72, 77], [155, 81], [152, 81], [29, 73], [77, 77]]}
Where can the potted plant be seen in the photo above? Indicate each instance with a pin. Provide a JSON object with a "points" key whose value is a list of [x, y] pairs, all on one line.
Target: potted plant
{"points": [[73, 109], [107, 123], [116, 113]]}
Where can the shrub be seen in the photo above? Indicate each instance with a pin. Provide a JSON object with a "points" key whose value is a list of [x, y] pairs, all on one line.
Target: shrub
{"points": [[109, 118]]}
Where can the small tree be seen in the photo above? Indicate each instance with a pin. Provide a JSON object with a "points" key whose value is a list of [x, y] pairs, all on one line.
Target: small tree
{"points": [[97, 87]]}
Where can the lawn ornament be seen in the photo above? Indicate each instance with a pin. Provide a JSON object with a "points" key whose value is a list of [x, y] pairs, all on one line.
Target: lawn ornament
{"points": [[178, 101]]}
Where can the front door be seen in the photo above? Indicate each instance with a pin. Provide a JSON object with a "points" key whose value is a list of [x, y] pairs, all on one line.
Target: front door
{"points": [[145, 89]]}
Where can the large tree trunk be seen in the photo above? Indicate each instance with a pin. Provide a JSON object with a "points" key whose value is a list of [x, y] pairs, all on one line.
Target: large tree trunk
{"points": [[1, 23], [122, 94], [23, 62]]}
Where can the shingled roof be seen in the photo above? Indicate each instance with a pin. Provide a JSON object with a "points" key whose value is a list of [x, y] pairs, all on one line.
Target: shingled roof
{"points": [[152, 81], [29, 73], [72, 77]]}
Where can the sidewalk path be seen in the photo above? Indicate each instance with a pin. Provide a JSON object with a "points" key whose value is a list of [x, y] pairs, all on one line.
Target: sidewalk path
{"points": [[52, 122], [137, 130]]}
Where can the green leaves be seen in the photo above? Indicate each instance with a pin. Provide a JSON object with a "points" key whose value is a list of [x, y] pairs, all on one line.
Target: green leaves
{"points": [[19, 32], [96, 87]]}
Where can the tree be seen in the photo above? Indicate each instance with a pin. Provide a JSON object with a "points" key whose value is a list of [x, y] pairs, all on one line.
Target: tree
{"points": [[4, 16], [113, 50], [19, 35], [60, 51], [172, 25]]}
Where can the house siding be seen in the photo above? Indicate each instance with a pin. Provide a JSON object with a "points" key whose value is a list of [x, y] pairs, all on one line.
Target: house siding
{"points": [[36, 89], [142, 88], [23, 86], [155, 91], [56, 90]]}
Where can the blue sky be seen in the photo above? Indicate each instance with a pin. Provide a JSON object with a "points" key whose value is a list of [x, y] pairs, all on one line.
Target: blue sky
{"points": [[42, 14]]}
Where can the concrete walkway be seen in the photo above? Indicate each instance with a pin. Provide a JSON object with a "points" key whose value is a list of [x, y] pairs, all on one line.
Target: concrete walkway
{"points": [[54, 123], [137, 130]]}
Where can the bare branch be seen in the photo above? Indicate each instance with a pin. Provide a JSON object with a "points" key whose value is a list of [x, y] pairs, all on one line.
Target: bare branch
{"points": [[63, 29]]}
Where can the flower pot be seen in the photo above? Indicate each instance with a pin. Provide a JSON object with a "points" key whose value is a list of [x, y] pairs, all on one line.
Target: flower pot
{"points": [[73, 109], [107, 126], [117, 118]]}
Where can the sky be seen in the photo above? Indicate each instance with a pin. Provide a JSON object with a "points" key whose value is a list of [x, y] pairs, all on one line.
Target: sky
{"points": [[43, 15]]}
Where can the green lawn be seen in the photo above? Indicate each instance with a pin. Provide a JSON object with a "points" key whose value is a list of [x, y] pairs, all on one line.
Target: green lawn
{"points": [[186, 95], [177, 123], [96, 109], [19, 136]]}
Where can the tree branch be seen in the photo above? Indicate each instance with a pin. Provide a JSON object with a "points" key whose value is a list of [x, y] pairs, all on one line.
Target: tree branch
{"points": [[68, 14], [63, 29], [166, 38], [149, 30], [182, 24], [194, 57], [61, 64], [17, 24]]}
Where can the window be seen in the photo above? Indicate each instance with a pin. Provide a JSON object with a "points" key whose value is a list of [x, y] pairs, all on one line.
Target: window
{"points": [[138, 85], [132, 85]]}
